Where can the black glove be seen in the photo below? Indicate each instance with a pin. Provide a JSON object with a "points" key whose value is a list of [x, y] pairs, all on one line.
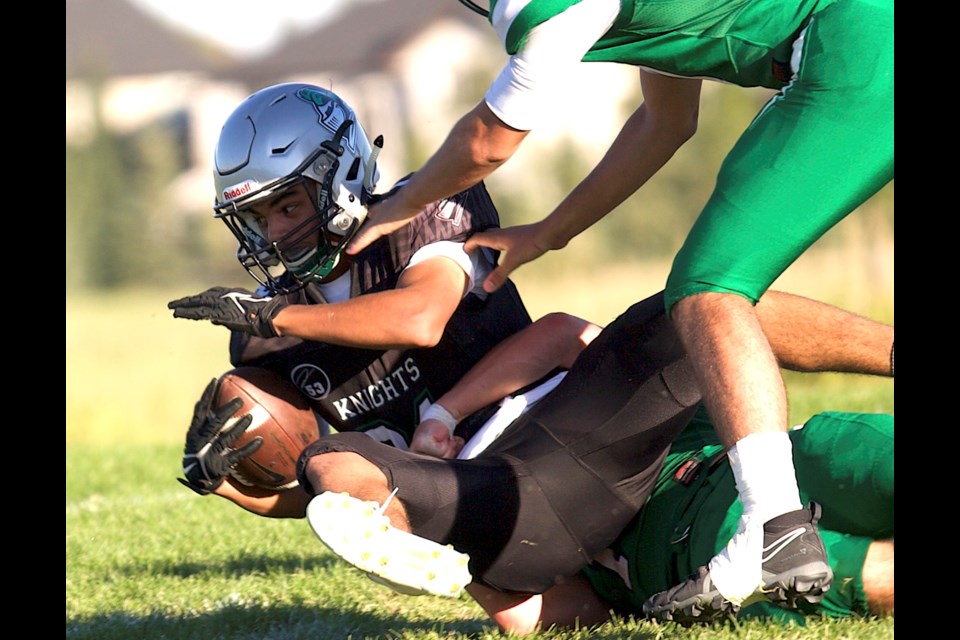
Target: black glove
{"points": [[236, 309], [207, 456]]}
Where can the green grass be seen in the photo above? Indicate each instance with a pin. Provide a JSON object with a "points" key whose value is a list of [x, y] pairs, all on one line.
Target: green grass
{"points": [[146, 558]]}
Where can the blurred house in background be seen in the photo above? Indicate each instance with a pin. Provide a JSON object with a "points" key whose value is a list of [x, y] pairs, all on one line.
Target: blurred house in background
{"points": [[125, 72], [409, 68]]}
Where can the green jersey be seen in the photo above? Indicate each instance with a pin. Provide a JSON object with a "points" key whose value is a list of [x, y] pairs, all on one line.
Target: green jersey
{"points": [[844, 461], [744, 42]]}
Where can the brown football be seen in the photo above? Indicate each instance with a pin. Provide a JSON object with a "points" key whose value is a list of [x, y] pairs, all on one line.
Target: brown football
{"points": [[281, 416]]}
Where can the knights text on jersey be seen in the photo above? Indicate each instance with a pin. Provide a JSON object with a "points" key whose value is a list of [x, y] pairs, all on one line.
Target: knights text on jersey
{"points": [[383, 393]]}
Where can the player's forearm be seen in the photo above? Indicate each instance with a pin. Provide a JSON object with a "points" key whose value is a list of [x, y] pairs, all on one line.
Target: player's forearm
{"points": [[525, 357], [393, 319], [641, 149], [291, 503], [807, 335], [474, 148]]}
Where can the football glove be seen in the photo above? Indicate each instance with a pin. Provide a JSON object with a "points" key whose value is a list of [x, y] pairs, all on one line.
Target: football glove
{"points": [[207, 455], [236, 309]]}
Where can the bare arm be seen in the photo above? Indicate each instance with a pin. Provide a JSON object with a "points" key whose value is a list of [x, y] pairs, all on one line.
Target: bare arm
{"points": [[666, 119], [412, 315], [478, 144], [291, 503], [807, 335], [553, 341]]}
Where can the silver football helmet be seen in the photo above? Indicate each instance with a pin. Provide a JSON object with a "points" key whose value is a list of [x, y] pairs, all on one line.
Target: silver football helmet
{"points": [[277, 138]]}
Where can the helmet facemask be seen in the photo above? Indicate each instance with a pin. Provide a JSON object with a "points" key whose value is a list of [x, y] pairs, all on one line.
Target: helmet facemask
{"points": [[338, 174], [307, 253]]}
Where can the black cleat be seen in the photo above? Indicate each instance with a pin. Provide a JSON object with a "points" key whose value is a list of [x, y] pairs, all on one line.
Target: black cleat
{"points": [[795, 572], [795, 567], [695, 600]]}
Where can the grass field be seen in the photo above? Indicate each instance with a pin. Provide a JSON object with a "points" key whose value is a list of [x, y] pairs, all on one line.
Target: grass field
{"points": [[146, 558]]}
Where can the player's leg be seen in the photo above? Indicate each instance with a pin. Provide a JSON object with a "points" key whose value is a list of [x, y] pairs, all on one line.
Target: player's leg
{"points": [[592, 448], [845, 462], [572, 603], [863, 582], [778, 192], [349, 472], [561, 482], [353, 512], [807, 335]]}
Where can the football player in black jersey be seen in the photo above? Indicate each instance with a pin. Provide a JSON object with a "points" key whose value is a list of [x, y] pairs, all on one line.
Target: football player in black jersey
{"points": [[370, 340]]}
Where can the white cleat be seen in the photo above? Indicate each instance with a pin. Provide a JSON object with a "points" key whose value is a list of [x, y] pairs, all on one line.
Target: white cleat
{"points": [[359, 532]]}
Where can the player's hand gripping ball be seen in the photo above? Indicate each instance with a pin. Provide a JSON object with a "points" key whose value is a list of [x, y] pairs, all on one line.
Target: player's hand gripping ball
{"points": [[279, 415], [250, 424]]}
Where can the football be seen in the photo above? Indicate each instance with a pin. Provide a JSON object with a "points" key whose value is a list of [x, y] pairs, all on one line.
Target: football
{"points": [[281, 416]]}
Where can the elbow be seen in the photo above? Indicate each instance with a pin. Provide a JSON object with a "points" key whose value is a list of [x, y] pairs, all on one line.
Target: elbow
{"points": [[571, 333], [423, 332], [485, 154], [487, 140], [679, 125], [686, 126]]}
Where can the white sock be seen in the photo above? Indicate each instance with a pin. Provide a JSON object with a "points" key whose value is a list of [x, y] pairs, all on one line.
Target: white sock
{"points": [[762, 466]]}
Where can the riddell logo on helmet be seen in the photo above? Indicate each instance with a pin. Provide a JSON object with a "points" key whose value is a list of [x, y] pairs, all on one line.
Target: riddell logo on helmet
{"points": [[237, 190]]}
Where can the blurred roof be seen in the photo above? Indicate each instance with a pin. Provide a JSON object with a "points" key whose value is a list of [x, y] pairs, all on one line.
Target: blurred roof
{"points": [[360, 38], [114, 37]]}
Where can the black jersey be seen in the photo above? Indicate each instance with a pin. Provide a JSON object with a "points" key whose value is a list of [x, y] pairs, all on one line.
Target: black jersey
{"points": [[384, 392]]}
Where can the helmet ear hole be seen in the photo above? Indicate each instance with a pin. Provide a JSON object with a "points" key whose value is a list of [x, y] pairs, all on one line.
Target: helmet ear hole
{"points": [[354, 169]]}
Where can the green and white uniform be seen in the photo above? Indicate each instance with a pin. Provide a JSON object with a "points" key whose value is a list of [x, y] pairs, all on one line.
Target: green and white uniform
{"points": [[816, 151], [844, 461]]}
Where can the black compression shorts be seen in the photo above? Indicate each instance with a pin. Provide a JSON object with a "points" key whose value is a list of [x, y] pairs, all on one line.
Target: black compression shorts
{"points": [[566, 477]]}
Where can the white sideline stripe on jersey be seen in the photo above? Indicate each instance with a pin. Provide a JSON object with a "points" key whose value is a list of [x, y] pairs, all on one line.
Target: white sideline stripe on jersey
{"points": [[471, 263], [510, 409]]}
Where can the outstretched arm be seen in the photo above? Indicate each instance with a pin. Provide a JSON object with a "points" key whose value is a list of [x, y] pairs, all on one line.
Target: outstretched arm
{"points": [[478, 144], [425, 297], [666, 119]]}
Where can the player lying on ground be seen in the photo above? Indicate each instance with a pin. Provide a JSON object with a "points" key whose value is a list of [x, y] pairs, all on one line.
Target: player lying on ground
{"points": [[844, 462], [406, 318], [544, 500], [597, 441]]}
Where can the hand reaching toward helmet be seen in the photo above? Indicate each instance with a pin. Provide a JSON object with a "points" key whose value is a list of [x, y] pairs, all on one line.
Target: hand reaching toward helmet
{"points": [[236, 309], [385, 214], [517, 245]]}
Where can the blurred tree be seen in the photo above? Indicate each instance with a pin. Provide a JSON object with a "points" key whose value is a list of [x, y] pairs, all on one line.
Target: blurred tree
{"points": [[122, 228], [96, 188]]}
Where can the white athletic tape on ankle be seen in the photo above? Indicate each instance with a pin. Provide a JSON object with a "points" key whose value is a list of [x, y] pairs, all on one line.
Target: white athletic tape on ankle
{"points": [[437, 412]]}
